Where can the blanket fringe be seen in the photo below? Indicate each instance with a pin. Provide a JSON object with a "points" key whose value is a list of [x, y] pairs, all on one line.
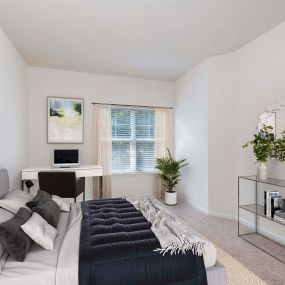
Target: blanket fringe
{"points": [[185, 245]]}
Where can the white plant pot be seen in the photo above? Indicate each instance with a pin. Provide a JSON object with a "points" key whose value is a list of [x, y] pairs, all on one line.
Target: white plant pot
{"points": [[170, 198], [262, 170]]}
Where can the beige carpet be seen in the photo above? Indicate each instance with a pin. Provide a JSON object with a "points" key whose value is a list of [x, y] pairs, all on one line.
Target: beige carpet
{"points": [[223, 233], [237, 274]]}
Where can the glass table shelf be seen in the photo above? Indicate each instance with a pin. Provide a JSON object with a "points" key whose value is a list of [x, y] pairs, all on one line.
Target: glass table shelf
{"points": [[269, 181], [259, 210], [252, 234]]}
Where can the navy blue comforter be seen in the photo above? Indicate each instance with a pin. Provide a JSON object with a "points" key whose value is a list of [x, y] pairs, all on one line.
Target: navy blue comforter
{"points": [[116, 248]]}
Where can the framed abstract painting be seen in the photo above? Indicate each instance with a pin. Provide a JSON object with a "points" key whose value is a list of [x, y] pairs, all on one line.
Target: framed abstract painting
{"points": [[65, 120]]}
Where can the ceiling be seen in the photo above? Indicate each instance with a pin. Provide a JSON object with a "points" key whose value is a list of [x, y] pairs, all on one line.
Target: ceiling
{"points": [[155, 39]]}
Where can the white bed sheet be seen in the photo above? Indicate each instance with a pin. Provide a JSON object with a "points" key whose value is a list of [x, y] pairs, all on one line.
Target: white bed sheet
{"points": [[67, 266]]}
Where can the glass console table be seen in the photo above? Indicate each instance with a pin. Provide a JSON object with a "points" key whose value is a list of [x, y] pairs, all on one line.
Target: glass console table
{"points": [[254, 226]]}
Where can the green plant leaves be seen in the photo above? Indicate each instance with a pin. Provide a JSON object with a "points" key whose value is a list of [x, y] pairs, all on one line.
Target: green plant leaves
{"points": [[170, 170], [279, 147], [265, 145]]}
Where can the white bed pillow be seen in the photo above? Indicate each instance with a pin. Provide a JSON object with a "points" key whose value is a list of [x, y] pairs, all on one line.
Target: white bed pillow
{"points": [[15, 200], [63, 205], [42, 233]]}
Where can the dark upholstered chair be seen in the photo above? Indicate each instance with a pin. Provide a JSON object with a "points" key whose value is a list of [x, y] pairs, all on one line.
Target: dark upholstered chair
{"points": [[63, 184]]}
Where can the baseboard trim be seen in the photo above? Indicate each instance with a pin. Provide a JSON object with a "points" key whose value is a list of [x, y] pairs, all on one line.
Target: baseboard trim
{"points": [[206, 211], [247, 223], [222, 215], [195, 205]]}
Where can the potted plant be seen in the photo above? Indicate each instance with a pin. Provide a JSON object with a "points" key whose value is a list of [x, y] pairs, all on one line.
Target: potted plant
{"points": [[170, 175], [263, 148]]}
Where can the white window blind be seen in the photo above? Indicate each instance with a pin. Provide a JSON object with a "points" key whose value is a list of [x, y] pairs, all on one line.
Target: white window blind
{"points": [[133, 135]]}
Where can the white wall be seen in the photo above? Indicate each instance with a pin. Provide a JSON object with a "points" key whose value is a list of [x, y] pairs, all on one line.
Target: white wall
{"points": [[222, 145], [261, 69], [13, 121], [191, 134], [242, 85], [239, 88], [92, 88]]}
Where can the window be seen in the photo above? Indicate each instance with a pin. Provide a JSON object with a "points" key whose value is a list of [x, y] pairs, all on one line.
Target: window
{"points": [[133, 133]]}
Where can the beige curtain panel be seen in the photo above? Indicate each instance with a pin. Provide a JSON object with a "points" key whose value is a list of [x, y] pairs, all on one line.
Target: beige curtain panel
{"points": [[163, 138], [102, 149]]}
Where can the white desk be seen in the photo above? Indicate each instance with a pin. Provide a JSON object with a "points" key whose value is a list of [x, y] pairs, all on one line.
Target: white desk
{"points": [[82, 171], [31, 173]]}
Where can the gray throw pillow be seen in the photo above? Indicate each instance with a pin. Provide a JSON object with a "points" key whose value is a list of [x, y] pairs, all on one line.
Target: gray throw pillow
{"points": [[13, 238], [46, 207], [39, 198], [49, 210]]}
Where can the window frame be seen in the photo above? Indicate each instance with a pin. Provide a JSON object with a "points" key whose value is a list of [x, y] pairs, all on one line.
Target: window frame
{"points": [[133, 145]]}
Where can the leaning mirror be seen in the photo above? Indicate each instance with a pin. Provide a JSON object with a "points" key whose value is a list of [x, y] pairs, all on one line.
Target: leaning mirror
{"points": [[274, 116]]}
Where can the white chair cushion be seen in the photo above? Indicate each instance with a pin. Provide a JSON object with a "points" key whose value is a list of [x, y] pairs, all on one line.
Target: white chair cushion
{"points": [[42, 233]]}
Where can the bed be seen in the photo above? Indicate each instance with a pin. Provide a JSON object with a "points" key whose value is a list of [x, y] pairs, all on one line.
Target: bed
{"points": [[62, 265]]}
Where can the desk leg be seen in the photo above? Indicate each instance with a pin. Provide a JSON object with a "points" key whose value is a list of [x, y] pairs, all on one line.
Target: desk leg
{"points": [[101, 186], [22, 184]]}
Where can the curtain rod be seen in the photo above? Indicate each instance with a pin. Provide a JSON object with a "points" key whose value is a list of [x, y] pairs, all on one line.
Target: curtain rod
{"points": [[124, 105]]}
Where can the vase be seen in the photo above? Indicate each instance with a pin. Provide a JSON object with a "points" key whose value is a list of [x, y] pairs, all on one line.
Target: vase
{"points": [[170, 198], [262, 170]]}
